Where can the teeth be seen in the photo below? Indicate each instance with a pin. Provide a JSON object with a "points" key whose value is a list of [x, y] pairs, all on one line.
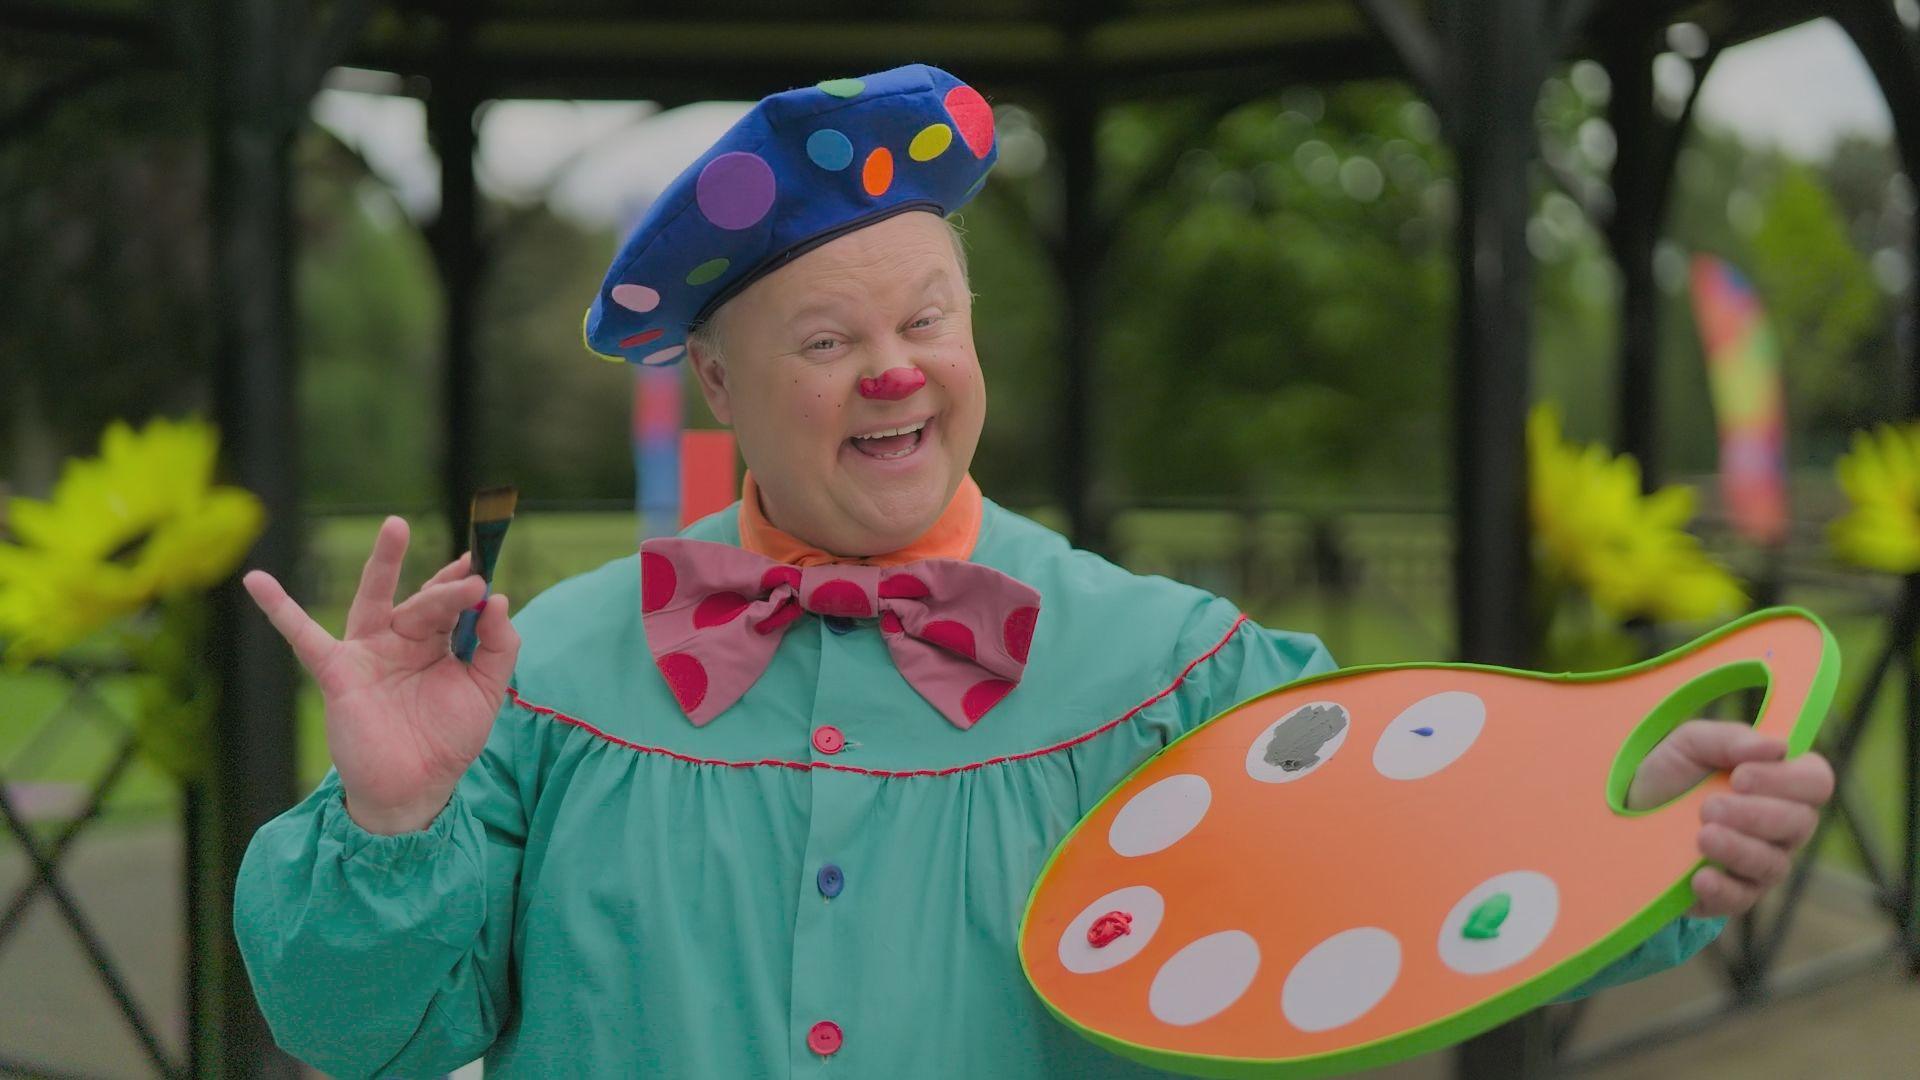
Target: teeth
{"points": [[895, 431]]}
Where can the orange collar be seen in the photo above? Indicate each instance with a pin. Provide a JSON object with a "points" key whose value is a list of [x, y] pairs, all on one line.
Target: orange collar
{"points": [[952, 537]]}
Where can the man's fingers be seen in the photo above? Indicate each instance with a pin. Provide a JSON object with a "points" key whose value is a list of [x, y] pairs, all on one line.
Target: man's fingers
{"points": [[1779, 821], [310, 641], [1724, 744], [499, 645], [1715, 893], [1807, 779], [1752, 860], [453, 570], [433, 610], [373, 600]]}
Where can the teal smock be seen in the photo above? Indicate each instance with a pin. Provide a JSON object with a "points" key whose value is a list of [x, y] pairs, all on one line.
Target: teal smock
{"points": [[612, 891]]}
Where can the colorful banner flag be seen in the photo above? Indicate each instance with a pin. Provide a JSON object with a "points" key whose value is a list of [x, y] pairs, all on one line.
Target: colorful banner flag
{"points": [[1749, 403]]}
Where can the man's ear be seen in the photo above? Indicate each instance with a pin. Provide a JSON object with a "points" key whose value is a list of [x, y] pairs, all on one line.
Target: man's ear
{"points": [[711, 370]]}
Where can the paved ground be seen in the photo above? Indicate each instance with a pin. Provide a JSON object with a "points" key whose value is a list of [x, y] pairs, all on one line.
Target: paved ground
{"points": [[1865, 1027]]}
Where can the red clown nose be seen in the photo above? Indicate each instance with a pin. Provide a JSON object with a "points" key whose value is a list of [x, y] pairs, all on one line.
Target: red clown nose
{"points": [[893, 385]]}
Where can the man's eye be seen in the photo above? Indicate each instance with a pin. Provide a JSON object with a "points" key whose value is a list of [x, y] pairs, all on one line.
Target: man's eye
{"points": [[924, 320], [821, 344]]}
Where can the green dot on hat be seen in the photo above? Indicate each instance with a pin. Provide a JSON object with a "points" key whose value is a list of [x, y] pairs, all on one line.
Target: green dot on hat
{"points": [[707, 271], [843, 87]]}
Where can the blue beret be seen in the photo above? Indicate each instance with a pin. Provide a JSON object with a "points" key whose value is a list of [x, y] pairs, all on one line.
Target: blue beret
{"points": [[799, 169]]}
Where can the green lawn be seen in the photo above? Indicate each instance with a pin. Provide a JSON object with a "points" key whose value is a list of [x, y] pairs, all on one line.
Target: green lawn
{"points": [[1400, 613]]}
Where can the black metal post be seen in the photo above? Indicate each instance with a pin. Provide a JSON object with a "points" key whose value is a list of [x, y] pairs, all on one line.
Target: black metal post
{"points": [[252, 126], [457, 252], [1498, 50], [1632, 233]]}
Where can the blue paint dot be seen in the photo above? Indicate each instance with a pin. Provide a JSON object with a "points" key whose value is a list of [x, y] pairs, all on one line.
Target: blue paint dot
{"points": [[1423, 731], [829, 149], [1769, 654]]}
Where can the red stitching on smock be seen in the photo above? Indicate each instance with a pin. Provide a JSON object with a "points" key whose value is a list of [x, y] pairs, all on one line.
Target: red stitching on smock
{"points": [[778, 763]]}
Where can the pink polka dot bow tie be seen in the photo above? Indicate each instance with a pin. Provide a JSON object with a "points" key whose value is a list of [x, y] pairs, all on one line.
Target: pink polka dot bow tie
{"points": [[714, 614]]}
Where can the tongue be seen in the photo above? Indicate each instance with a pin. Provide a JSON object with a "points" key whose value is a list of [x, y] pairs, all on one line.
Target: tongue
{"points": [[891, 444]]}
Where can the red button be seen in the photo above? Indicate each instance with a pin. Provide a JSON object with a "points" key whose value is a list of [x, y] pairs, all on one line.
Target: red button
{"points": [[828, 740], [823, 1038]]}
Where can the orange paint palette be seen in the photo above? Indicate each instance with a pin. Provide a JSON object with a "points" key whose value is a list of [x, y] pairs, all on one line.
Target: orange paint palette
{"points": [[1374, 863]]}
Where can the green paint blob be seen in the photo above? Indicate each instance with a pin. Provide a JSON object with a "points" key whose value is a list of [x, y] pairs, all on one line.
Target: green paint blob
{"points": [[707, 271], [1485, 921], [843, 87]]}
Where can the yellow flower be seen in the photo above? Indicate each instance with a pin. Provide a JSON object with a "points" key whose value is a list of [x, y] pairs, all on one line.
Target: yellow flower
{"points": [[139, 522], [1881, 476], [1596, 531]]}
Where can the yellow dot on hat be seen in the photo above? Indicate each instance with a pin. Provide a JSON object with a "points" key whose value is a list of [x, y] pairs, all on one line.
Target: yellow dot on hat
{"points": [[932, 141], [843, 87], [707, 271]]}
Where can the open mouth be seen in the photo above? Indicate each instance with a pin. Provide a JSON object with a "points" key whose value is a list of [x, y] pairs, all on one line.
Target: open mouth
{"points": [[891, 444]]}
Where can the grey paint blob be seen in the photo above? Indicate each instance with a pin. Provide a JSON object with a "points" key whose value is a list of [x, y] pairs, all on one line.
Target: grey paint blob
{"points": [[1297, 740]]}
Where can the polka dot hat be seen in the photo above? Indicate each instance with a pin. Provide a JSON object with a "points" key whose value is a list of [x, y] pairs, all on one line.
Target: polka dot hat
{"points": [[799, 169]]}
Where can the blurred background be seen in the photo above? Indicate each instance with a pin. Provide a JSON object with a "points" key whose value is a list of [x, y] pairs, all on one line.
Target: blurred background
{"points": [[1541, 332]]}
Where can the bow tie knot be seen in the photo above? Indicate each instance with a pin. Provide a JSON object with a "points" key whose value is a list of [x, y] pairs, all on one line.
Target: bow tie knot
{"points": [[959, 632]]}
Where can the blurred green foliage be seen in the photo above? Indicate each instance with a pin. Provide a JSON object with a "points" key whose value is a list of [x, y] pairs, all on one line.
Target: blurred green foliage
{"points": [[1275, 314]]}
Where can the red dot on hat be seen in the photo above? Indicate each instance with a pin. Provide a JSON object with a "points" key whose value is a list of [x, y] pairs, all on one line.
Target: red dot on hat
{"points": [[778, 576], [973, 117], [876, 176], [686, 678], [657, 581], [949, 635], [840, 597], [1018, 632], [719, 609], [983, 696], [640, 338], [903, 587]]}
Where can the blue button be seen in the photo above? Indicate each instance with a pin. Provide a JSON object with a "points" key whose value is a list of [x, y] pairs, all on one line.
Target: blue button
{"points": [[839, 624], [830, 880]]}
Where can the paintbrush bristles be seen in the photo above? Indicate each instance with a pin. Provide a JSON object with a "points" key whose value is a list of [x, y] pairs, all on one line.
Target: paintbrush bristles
{"points": [[494, 503]]}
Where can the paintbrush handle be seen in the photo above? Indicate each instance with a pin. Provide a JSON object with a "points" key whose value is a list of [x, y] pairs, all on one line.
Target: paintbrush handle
{"points": [[466, 634]]}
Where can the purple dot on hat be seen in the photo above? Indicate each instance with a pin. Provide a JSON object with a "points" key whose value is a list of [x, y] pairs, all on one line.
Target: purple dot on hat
{"points": [[636, 297], [735, 190], [830, 149], [664, 356]]}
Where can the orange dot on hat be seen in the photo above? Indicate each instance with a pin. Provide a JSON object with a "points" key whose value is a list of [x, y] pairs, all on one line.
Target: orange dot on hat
{"points": [[876, 176], [932, 141]]}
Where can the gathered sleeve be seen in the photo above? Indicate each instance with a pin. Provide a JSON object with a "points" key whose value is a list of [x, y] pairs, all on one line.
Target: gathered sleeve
{"points": [[376, 955]]}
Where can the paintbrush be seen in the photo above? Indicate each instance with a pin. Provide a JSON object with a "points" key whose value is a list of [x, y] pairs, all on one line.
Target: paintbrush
{"points": [[491, 513]]}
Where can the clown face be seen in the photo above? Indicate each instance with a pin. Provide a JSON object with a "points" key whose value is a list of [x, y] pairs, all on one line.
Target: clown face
{"points": [[850, 379]]}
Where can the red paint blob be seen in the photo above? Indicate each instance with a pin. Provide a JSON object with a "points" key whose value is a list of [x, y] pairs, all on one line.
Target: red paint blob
{"points": [[657, 581], [949, 635], [686, 678], [1018, 632], [840, 597], [719, 609], [983, 696], [1109, 928], [903, 587]]}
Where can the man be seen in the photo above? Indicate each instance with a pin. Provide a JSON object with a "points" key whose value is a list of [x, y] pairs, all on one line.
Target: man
{"points": [[767, 799]]}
